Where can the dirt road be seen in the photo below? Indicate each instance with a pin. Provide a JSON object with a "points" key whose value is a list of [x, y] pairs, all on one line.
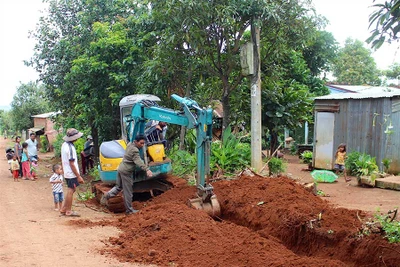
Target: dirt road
{"points": [[347, 195], [33, 234]]}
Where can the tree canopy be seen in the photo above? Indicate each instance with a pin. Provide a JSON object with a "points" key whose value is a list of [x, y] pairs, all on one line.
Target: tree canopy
{"points": [[355, 65], [385, 23], [28, 100], [92, 53], [393, 72]]}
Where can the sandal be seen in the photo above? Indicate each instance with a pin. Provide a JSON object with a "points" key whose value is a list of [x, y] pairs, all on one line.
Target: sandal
{"points": [[72, 214]]}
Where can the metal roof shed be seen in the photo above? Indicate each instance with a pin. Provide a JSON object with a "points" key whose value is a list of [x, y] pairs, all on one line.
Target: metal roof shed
{"points": [[367, 123]]}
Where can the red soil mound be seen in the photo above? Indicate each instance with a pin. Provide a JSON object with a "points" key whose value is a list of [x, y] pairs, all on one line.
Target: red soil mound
{"points": [[265, 222]]}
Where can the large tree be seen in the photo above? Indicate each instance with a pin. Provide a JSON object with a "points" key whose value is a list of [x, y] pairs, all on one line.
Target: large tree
{"points": [[28, 100], [213, 33], [92, 53], [85, 58], [6, 122], [385, 23], [320, 52], [355, 65], [393, 72]]}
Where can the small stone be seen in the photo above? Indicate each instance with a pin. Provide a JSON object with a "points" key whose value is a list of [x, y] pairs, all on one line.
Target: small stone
{"points": [[152, 252]]}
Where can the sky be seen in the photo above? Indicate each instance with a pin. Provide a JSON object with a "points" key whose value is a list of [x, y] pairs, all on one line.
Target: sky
{"points": [[348, 18]]}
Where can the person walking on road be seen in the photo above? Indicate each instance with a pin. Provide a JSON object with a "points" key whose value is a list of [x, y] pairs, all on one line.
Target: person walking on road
{"points": [[127, 172], [71, 170]]}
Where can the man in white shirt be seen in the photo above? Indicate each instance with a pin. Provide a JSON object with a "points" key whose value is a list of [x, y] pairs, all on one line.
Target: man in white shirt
{"points": [[32, 147], [71, 170]]}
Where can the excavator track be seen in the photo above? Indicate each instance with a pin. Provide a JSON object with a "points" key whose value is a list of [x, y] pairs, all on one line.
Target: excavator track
{"points": [[115, 204]]}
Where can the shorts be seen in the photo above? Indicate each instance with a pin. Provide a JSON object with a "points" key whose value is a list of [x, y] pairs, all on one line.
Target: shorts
{"points": [[58, 197], [33, 158], [339, 167], [72, 182]]}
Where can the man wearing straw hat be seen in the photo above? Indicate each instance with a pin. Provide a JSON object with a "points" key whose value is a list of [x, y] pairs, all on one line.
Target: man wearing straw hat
{"points": [[71, 170]]}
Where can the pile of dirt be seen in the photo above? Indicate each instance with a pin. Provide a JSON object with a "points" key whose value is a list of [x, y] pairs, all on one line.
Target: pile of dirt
{"points": [[264, 222]]}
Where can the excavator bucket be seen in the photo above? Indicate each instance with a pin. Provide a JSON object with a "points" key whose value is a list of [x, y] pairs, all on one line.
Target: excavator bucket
{"points": [[211, 207]]}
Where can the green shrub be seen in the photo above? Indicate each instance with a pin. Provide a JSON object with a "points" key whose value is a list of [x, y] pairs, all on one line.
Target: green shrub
{"points": [[350, 162], [391, 228], [306, 157], [183, 162], [79, 145], [386, 164], [293, 149], [94, 172], [86, 195], [231, 154], [361, 164], [276, 166], [57, 145], [44, 144]]}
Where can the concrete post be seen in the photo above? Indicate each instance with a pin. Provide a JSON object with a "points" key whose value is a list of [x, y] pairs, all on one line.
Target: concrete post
{"points": [[255, 93]]}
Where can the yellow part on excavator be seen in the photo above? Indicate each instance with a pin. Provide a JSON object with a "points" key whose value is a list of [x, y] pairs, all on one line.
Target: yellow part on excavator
{"points": [[110, 161], [156, 152]]}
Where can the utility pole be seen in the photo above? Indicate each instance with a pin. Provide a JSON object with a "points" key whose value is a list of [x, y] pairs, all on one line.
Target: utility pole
{"points": [[255, 93]]}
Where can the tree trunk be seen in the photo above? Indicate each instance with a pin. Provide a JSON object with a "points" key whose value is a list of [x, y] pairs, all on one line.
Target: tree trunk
{"points": [[273, 141], [95, 135], [225, 104]]}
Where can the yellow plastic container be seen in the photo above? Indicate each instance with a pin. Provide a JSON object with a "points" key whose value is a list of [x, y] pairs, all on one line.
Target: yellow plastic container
{"points": [[156, 152]]}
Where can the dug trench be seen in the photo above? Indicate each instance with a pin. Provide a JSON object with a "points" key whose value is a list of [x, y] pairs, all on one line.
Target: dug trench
{"points": [[264, 222]]}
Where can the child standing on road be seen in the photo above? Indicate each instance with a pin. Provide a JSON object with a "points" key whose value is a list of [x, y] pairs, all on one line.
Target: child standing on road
{"points": [[26, 165], [14, 167], [57, 181], [339, 162]]}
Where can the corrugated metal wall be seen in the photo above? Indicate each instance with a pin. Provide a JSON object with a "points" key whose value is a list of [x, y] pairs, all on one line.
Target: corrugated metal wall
{"points": [[361, 124]]}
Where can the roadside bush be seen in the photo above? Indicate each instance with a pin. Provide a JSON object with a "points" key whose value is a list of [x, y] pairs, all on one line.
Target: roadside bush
{"points": [[390, 227], [306, 157], [350, 162], [183, 162], [230, 154], [293, 149], [94, 172], [57, 145], [44, 144], [386, 164], [86, 195], [276, 166], [361, 164]]}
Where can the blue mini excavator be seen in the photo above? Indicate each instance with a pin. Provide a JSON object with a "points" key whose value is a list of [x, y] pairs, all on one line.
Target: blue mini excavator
{"points": [[136, 112]]}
